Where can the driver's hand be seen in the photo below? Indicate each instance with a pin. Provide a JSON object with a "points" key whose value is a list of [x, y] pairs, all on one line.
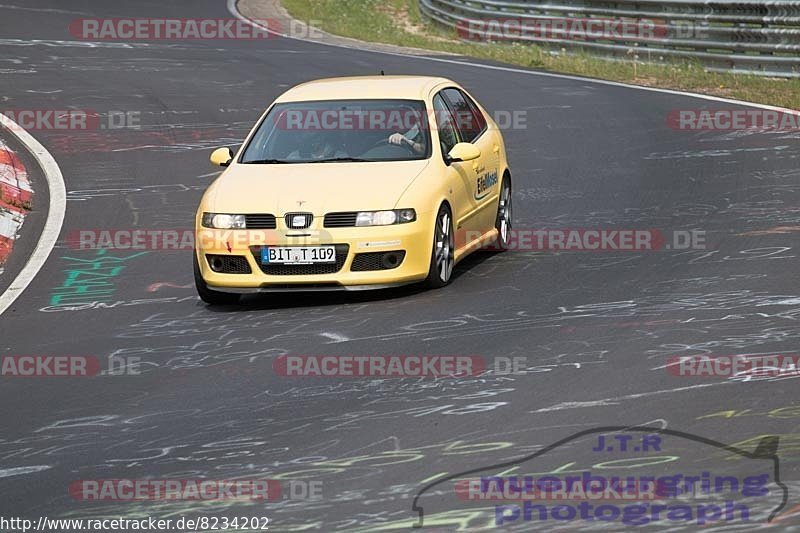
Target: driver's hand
{"points": [[397, 138]]}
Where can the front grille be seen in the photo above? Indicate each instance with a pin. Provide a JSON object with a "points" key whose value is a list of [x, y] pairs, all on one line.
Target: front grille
{"points": [[340, 220], [375, 261], [228, 264], [263, 221], [300, 270], [308, 218]]}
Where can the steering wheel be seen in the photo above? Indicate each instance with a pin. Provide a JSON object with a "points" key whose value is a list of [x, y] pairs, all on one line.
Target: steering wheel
{"points": [[385, 142]]}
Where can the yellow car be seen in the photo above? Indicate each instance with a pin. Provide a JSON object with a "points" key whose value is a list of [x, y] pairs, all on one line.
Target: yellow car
{"points": [[354, 183]]}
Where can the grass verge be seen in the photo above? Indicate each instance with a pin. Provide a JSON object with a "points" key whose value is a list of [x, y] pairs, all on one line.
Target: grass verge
{"points": [[399, 22]]}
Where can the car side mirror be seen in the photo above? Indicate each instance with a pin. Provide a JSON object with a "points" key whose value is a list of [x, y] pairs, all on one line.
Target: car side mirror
{"points": [[221, 157], [463, 152]]}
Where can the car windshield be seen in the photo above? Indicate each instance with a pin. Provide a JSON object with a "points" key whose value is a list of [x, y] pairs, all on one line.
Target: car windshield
{"points": [[341, 131]]}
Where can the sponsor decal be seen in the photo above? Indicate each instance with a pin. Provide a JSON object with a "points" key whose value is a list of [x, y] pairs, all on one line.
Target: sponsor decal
{"points": [[485, 183]]}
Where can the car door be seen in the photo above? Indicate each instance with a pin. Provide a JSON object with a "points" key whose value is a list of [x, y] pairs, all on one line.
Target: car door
{"points": [[472, 127], [459, 176]]}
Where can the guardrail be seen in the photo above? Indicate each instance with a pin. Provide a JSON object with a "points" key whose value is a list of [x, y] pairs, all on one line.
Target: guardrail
{"points": [[761, 38]]}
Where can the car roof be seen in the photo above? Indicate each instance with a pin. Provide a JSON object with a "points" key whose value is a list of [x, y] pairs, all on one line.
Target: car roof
{"points": [[364, 88]]}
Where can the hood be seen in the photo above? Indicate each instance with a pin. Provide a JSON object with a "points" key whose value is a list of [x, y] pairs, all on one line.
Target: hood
{"points": [[321, 187]]}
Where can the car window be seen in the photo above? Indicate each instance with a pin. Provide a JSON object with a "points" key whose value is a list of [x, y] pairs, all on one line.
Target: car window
{"points": [[469, 119], [341, 130], [448, 137], [480, 120]]}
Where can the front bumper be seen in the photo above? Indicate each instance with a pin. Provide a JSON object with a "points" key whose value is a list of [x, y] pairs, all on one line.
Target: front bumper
{"points": [[414, 239], [299, 287]]}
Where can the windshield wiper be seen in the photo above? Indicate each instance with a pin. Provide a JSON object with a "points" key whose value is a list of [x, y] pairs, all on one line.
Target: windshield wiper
{"points": [[343, 159], [266, 162]]}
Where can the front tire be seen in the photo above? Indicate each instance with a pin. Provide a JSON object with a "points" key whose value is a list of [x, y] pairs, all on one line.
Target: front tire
{"points": [[209, 296], [444, 250], [503, 221]]}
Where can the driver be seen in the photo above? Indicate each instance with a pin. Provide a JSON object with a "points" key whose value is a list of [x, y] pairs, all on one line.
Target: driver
{"points": [[319, 147], [411, 138]]}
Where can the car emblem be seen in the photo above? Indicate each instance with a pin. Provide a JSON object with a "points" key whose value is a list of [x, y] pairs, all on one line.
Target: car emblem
{"points": [[298, 220], [300, 203]]}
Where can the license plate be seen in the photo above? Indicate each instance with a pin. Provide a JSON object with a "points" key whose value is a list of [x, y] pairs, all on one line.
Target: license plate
{"points": [[298, 255]]}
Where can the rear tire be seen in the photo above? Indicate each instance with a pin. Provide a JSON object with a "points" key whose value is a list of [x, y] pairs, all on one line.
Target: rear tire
{"points": [[209, 296], [443, 252]]}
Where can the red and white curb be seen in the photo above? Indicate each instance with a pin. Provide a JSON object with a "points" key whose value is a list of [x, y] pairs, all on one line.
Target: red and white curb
{"points": [[16, 198], [16, 195]]}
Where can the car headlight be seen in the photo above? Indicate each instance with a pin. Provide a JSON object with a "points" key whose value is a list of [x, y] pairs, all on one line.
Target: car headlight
{"points": [[222, 221], [385, 218]]}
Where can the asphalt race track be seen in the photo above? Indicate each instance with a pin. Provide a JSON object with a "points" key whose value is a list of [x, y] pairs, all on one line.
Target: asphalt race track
{"points": [[595, 329]]}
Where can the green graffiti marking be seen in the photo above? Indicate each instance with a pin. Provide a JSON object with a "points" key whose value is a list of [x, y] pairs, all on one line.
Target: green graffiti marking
{"points": [[89, 280]]}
